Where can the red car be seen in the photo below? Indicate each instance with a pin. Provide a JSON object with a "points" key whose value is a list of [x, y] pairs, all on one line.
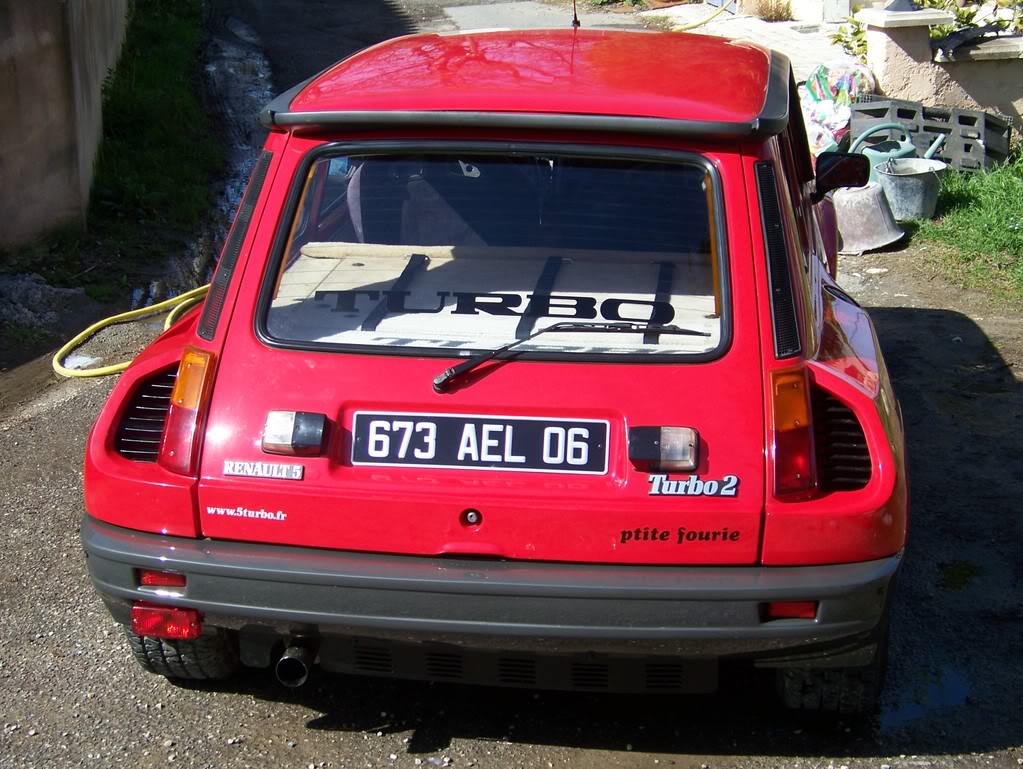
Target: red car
{"points": [[517, 369]]}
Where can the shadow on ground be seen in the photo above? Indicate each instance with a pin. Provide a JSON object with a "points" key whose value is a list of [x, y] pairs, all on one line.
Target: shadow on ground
{"points": [[303, 39], [955, 676]]}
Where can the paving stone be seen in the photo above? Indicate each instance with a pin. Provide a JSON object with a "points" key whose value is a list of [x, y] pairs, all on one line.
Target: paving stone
{"points": [[805, 49]]}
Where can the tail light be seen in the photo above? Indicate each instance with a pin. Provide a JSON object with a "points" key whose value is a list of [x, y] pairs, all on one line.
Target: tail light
{"points": [[793, 449], [179, 450]]}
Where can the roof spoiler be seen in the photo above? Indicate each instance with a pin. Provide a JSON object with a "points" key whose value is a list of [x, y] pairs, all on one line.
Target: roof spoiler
{"points": [[772, 119]]}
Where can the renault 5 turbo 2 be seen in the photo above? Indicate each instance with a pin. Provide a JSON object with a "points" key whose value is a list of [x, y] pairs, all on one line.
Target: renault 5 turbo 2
{"points": [[517, 369]]}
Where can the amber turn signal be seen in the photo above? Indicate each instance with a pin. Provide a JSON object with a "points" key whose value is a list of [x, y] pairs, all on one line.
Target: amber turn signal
{"points": [[179, 449], [791, 404]]}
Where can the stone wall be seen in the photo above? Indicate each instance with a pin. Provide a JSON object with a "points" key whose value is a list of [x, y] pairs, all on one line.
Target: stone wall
{"points": [[54, 57]]}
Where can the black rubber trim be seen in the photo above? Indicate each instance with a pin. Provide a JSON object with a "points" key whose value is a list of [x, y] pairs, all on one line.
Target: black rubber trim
{"points": [[214, 303], [774, 115], [236, 584], [544, 285], [525, 121], [783, 307], [378, 313], [837, 292], [282, 102], [503, 149], [772, 119], [800, 142], [665, 280]]}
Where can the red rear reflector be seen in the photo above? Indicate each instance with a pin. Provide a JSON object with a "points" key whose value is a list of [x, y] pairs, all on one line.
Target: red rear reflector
{"points": [[152, 578], [179, 449], [148, 619], [791, 610]]}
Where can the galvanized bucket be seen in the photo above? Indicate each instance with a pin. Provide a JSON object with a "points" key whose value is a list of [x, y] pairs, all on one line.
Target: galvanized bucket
{"points": [[865, 221], [911, 186]]}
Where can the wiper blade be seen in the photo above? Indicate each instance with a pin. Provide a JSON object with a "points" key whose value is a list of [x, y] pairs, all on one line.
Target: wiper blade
{"points": [[442, 380]]}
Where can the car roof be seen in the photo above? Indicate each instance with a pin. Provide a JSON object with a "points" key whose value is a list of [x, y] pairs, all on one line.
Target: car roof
{"points": [[597, 79]]}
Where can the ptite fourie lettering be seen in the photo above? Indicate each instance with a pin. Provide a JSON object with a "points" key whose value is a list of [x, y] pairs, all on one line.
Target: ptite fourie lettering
{"points": [[681, 535]]}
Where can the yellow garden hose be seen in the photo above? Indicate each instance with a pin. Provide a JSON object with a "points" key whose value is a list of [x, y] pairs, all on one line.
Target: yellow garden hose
{"points": [[178, 305], [695, 24], [186, 305]]}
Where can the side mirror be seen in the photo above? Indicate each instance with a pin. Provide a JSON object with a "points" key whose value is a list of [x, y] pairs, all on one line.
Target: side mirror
{"points": [[840, 169]]}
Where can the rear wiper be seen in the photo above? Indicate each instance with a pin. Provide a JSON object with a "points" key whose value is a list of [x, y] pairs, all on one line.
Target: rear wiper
{"points": [[442, 380]]}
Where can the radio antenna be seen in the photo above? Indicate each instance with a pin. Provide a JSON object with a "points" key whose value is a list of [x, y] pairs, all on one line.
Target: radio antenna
{"points": [[575, 15]]}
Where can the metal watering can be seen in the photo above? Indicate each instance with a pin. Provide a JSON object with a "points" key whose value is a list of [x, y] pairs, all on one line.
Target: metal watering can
{"points": [[889, 149]]}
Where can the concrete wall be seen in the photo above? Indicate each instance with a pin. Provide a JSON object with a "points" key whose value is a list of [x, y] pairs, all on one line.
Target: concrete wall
{"points": [[95, 32], [987, 76], [54, 57]]}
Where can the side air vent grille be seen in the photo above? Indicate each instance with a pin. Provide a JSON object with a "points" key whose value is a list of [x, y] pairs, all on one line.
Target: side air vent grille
{"points": [[843, 460], [783, 309], [141, 426]]}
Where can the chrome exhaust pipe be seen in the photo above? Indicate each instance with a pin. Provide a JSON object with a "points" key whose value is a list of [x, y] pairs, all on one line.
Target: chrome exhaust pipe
{"points": [[293, 667]]}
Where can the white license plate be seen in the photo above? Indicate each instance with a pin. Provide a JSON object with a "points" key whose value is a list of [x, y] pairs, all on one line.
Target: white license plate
{"points": [[480, 442]]}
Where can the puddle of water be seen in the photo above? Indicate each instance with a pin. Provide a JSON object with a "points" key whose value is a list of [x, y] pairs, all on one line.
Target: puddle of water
{"points": [[80, 361], [946, 689], [958, 575]]}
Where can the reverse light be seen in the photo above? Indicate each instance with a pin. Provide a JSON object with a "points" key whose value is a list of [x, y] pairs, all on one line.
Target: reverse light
{"points": [[793, 449], [790, 610], [148, 619], [664, 448], [294, 433], [154, 578], [179, 450]]}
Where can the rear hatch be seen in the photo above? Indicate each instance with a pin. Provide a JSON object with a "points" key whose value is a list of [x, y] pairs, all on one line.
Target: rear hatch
{"points": [[397, 267]]}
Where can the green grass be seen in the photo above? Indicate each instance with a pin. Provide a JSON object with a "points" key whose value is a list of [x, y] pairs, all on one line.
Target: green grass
{"points": [[157, 154], [981, 216], [152, 184], [17, 334]]}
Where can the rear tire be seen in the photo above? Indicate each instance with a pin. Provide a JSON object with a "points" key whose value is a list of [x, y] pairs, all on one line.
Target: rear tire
{"points": [[847, 691], [211, 656]]}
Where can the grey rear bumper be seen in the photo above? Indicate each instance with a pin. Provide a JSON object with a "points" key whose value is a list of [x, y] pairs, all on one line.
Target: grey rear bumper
{"points": [[693, 612]]}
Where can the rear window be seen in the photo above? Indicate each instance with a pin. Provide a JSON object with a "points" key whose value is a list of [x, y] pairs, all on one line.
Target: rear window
{"points": [[453, 253]]}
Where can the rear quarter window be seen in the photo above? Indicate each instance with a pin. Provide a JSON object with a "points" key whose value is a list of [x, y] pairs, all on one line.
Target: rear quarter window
{"points": [[449, 252]]}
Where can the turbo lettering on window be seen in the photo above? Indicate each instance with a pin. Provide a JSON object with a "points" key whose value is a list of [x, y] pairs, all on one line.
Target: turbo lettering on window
{"points": [[535, 305]]}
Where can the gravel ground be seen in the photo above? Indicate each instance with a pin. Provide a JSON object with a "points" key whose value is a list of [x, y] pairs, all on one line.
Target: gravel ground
{"points": [[70, 694]]}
